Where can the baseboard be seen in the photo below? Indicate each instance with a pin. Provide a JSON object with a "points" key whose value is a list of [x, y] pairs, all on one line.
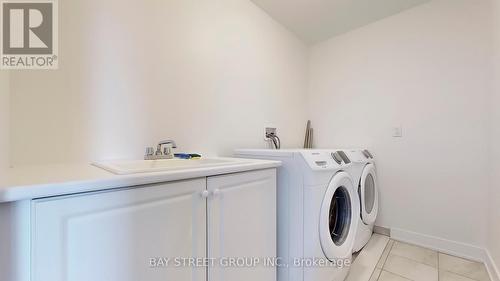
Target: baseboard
{"points": [[492, 267], [382, 230], [445, 246], [442, 245]]}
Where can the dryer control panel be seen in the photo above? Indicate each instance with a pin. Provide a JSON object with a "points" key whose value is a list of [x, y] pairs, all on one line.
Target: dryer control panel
{"points": [[359, 155]]}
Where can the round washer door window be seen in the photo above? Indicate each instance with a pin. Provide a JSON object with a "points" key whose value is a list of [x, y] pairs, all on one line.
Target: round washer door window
{"points": [[338, 218], [369, 195]]}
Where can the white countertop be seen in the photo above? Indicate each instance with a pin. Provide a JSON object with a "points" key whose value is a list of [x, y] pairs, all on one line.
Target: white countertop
{"points": [[29, 182]]}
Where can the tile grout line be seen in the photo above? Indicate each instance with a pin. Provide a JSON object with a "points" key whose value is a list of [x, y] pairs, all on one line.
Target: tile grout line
{"points": [[458, 274], [380, 273], [396, 274], [389, 249], [437, 269], [439, 266], [381, 257], [417, 261], [389, 245], [388, 253], [414, 261]]}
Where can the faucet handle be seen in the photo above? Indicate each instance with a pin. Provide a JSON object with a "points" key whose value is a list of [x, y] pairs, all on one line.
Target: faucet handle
{"points": [[149, 151]]}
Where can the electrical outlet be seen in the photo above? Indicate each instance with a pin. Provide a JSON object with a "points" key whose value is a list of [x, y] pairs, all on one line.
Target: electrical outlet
{"points": [[397, 132]]}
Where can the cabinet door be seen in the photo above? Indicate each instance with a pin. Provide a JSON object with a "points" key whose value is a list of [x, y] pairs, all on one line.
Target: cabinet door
{"points": [[119, 235], [242, 224]]}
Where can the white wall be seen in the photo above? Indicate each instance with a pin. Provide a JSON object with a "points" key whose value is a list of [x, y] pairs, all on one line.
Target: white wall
{"points": [[210, 74], [494, 204], [4, 119], [426, 69]]}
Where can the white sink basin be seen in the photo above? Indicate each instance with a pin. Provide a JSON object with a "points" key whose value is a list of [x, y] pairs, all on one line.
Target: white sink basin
{"points": [[125, 167]]}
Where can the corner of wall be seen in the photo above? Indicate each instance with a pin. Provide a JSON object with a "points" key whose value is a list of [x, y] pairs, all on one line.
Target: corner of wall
{"points": [[492, 267], [493, 244]]}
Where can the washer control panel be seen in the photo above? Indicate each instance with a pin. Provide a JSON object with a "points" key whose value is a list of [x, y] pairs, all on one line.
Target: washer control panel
{"points": [[325, 160], [322, 160]]}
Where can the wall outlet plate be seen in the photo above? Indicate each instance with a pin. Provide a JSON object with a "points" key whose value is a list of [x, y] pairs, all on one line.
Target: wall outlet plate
{"points": [[269, 131], [397, 132]]}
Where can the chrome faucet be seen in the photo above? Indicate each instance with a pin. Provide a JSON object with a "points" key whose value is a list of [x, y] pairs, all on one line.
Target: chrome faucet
{"points": [[162, 143], [166, 153]]}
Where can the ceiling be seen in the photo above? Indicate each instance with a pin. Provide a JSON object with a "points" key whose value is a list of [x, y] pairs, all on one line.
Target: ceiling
{"points": [[318, 20]]}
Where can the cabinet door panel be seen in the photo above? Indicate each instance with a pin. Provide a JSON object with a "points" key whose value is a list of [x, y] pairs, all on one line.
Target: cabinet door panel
{"points": [[112, 236], [242, 224]]}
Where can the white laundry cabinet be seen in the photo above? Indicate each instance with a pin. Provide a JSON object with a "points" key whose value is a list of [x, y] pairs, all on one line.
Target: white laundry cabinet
{"points": [[183, 231]]}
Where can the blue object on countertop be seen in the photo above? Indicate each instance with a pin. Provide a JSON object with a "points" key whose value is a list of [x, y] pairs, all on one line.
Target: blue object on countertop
{"points": [[182, 155], [186, 155]]}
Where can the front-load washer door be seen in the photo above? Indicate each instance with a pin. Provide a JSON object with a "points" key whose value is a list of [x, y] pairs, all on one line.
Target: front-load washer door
{"points": [[368, 195], [339, 218]]}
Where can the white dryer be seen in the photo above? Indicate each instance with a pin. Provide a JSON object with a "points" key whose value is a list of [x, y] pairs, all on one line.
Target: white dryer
{"points": [[318, 213], [364, 175]]}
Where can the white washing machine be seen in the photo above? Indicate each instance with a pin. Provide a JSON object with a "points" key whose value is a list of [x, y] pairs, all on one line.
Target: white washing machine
{"points": [[318, 213], [364, 176]]}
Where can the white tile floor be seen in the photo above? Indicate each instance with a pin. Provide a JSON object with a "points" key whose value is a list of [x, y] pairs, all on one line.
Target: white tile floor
{"points": [[403, 262]]}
